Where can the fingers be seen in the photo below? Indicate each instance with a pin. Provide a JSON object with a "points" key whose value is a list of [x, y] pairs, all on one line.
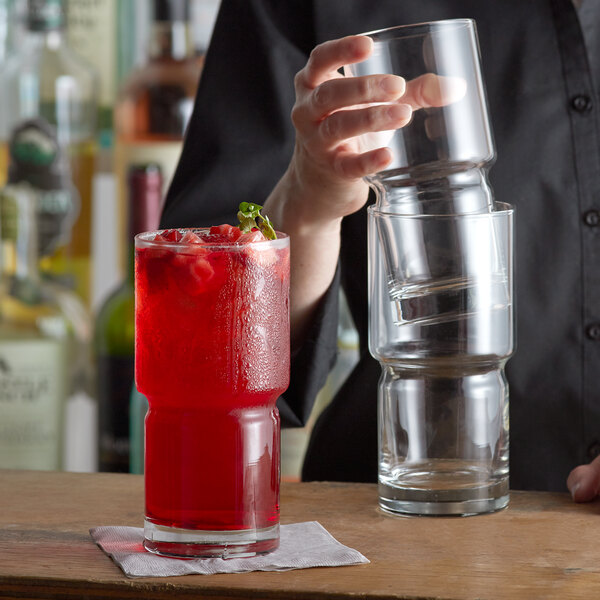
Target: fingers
{"points": [[584, 481], [328, 57], [430, 90], [356, 166], [345, 92], [332, 112], [346, 124]]}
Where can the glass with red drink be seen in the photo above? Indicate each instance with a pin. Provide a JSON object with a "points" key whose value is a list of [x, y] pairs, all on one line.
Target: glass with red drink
{"points": [[212, 357]]}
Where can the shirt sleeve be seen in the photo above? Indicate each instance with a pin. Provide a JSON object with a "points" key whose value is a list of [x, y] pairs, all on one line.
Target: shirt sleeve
{"points": [[312, 362], [238, 144]]}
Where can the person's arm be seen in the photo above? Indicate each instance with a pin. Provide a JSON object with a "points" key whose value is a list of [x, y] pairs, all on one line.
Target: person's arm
{"points": [[238, 145], [240, 139], [324, 181]]}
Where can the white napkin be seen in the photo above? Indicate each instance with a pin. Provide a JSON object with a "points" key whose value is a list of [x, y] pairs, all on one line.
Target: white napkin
{"points": [[301, 545]]}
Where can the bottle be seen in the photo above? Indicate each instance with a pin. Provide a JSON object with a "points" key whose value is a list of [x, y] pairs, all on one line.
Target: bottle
{"points": [[138, 407], [204, 14], [45, 79], [90, 26], [44, 328], [114, 336], [156, 100], [4, 29], [131, 25]]}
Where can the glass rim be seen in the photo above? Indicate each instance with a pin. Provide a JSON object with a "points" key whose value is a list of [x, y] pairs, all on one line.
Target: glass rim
{"points": [[142, 240], [390, 33], [501, 209]]}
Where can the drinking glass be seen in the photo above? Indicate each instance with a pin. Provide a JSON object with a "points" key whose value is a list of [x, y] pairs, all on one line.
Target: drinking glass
{"points": [[441, 326], [447, 148], [212, 357], [440, 283]]}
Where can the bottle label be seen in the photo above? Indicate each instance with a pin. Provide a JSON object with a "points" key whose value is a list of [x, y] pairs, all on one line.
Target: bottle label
{"points": [[33, 386], [90, 26], [37, 160], [115, 378], [45, 15], [9, 214]]}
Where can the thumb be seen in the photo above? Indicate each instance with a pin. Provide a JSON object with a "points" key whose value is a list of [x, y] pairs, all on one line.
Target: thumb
{"points": [[584, 481]]}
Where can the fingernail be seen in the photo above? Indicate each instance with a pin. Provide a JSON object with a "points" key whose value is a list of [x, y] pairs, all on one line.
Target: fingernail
{"points": [[392, 85], [399, 111], [451, 89], [574, 487]]}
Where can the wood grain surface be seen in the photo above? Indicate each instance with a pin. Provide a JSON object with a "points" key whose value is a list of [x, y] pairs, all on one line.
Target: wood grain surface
{"points": [[542, 546]]}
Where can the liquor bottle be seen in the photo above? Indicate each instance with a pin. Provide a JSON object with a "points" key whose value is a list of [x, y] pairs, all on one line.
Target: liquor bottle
{"points": [[204, 14], [138, 407], [5, 42], [90, 26], [114, 337], [132, 34], [45, 79], [156, 100], [44, 328]]}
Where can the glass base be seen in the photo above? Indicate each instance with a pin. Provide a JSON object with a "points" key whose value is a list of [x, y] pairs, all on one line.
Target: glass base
{"points": [[193, 543], [444, 500]]}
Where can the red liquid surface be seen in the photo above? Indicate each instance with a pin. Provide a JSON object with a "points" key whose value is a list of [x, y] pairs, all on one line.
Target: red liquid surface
{"points": [[212, 357]]}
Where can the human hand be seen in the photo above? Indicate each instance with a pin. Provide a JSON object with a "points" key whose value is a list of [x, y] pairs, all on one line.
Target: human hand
{"points": [[324, 180], [584, 481], [332, 110]]}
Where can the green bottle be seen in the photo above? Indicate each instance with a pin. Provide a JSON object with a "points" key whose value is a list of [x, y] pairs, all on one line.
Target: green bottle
{"points": [[138, 408], [114, 339]]}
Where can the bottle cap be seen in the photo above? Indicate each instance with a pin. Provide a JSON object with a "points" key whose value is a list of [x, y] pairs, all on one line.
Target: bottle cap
{"points": [[45, 15], [145, 197], [171, 10]]}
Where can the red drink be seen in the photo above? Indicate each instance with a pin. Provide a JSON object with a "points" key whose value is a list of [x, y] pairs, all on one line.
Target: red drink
{"points": [[212, 357]]}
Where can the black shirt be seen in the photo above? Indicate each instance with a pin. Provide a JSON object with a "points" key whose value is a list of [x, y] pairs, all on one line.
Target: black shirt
{"points": [[544, 114]]}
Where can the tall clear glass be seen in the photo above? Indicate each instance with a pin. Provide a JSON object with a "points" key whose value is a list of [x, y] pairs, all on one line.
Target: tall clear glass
{"points": [[442, 329], [447, 148], [212, 356], [440, 261]]}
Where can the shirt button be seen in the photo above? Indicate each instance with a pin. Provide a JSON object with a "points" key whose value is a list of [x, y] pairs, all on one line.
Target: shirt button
{"points": [[593, 450], [581, 103], [593, 331], [592, 218]]}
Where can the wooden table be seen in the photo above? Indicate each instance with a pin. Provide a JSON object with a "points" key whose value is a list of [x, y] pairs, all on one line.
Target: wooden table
{"points": [[542, 546]]}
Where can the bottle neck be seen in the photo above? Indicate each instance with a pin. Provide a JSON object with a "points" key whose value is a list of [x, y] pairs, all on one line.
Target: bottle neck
{"points": [[171, 40], [145, 203], [46, 40], [144, 215]]}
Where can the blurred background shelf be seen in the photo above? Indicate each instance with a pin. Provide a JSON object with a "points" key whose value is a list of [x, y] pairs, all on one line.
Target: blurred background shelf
{"points": [[115, 81]]}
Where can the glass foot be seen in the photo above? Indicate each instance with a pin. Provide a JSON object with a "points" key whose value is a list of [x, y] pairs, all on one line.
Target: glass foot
{"points": [[193, 543], [444, 502]]}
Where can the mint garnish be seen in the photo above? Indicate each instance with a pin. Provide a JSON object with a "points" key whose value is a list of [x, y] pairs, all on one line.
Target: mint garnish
{"points": [[250, 218]]}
